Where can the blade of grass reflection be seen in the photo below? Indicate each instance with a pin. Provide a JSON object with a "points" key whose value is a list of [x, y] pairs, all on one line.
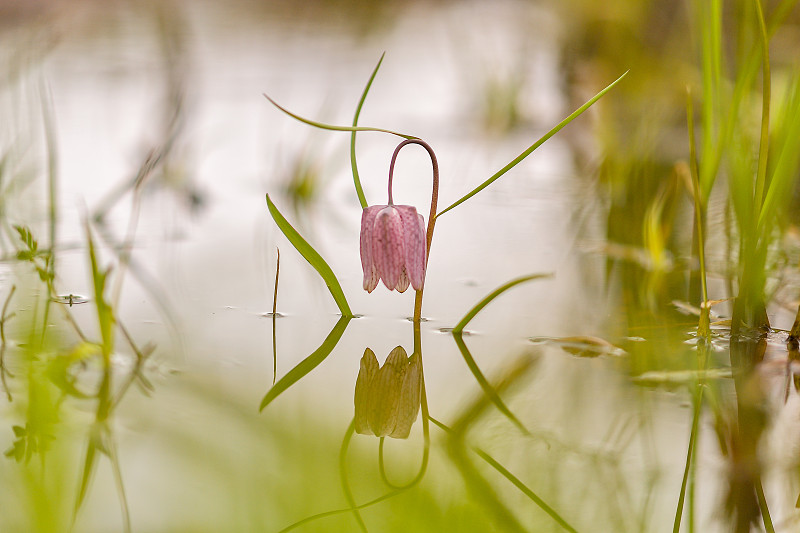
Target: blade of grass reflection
{"points": [[488, 390], [117, 471], [313, 258], [135, 375], [575, 114], [356, 179], [465, 353], [308, 364], [688, 470], [456, 447], [86, 474], [491, 461]]}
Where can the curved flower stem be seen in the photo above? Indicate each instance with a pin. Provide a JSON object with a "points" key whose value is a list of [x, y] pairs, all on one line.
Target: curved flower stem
{"points": [[431, 216], [426, 432], [348, 494]]}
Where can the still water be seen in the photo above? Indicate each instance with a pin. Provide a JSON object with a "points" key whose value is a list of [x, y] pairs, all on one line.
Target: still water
{"points": [[177, 89]]}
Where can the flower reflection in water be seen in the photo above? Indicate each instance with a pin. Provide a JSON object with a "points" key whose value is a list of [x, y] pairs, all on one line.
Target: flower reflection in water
{"points": [[387, 398]]}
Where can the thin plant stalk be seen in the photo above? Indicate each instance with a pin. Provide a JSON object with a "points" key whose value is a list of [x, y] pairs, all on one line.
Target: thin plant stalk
{"points": [[431, 216], [426, 433], [694, 171], [362, 199], [332, 127], [528, 151], [763, 149], [3, 318], [690, 451], [491, 461], [348, 494], [274, 316]]}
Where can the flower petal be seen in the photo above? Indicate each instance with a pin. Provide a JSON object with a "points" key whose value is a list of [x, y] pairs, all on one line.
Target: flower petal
{"points": [[402, 283], [410, 398], [414, 243], [387, 246], [369, 367], [385, 393], [367, 262]]}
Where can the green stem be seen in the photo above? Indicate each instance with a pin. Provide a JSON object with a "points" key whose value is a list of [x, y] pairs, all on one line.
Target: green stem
{"points": [[763, 149], [356, 179], [426, 433], [432, 214], [348, 494]]}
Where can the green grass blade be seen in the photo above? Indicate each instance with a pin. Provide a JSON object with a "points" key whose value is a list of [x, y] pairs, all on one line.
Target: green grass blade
{"points": [[356, 179], [334, 512], [308, 364], [524, 489], [708, 15], [89, 464], [763, 149], [491, 461], [332, 127], [105, 315], [313, 258], [703, 328], [533, 147], [490, 392], [494, 294], [690, 455], [784, 172]]}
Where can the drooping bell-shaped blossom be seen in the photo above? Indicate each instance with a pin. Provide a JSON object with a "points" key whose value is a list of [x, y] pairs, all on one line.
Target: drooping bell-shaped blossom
{"points": [[387, 398], [394, 240], [393, 247]]}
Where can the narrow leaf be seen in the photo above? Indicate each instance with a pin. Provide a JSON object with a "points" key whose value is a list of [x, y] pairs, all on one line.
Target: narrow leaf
{"points": [[490, 392], [494, 294], [331, 126], [86, 475], [533, 147], [308, 364], [105, 316], [356, 179], [313, 258], [524, 489], [503, 471]]}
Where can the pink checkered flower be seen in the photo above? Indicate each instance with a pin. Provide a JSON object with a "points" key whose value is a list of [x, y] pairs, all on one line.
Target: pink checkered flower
{"points": [[393, 247], [394, 240]]}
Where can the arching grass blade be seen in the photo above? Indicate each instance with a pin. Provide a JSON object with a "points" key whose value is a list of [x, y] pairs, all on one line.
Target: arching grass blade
{"points": [[332, 127], [494, 294], [356, 178], [532, 147], [313, 258]]}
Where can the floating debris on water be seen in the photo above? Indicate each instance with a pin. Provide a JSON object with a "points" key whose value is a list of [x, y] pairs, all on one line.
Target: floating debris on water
{"points": [[582, 345], [71, 299]]}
